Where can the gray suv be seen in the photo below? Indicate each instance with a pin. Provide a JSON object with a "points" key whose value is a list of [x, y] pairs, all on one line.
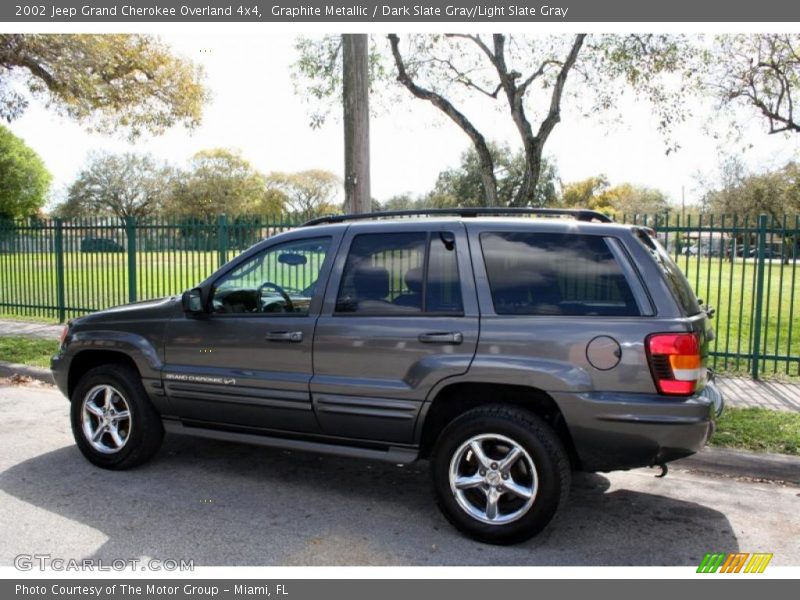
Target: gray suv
{"points": [[508, 350]]}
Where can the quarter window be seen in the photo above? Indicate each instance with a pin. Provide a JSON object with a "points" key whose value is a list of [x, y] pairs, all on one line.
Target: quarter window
{"points": [[401, 273], [555, 274]]}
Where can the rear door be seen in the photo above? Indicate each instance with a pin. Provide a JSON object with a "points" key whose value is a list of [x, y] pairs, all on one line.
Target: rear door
{"points": [[400, 315]]}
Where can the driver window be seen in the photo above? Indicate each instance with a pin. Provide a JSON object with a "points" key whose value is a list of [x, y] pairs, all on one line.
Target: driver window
{"points": [[282, 279]]}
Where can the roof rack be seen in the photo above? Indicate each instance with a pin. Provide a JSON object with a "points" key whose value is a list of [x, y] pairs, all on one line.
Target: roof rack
{"points": [[578, 214]]}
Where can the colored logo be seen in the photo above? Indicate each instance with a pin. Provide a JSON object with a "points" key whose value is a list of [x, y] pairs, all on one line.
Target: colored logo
{"points": [[735, 562]]}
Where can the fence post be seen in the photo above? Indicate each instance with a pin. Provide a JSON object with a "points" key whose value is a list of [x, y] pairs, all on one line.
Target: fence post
{"points": [[61, 301], [222, 239], [130, 233], [759, 299]]}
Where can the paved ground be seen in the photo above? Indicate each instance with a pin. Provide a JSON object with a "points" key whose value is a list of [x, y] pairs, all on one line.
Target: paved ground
{"points": [[743, 392], [226, 504], [40, 330]]}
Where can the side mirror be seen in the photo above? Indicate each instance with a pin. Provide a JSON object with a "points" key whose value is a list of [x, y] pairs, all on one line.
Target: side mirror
{"points": [[192, 302]]}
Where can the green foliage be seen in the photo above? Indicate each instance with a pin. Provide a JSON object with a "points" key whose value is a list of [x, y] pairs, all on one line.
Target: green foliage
{"points": [[739, 192], [24, 180], [222, 181], [758, 71], [308, 193], [317, 73], [123, 185], [462, 185], [399, 202], [27, 350], [585, 193], [624, 199], [131, 83], [759, 430]]}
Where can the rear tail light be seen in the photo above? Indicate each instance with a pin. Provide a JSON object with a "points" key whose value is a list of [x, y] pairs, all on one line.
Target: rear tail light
{"points": [[676, 362], [63, 335]]}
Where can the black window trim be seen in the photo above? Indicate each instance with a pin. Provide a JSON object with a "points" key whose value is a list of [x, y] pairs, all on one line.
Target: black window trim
{"points": [[425, 259], [263, 315], [605, 238]]}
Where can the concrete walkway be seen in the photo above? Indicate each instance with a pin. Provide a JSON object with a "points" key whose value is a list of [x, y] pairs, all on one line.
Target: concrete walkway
{"points": [[32, 329], [740, 392]]}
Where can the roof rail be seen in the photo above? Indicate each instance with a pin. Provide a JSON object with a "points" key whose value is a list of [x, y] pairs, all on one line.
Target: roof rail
{"points": [[579, 214]]}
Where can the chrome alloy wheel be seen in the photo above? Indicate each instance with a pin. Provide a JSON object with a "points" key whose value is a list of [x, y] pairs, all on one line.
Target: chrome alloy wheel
{"points": [[106, 419], [493, 479]]}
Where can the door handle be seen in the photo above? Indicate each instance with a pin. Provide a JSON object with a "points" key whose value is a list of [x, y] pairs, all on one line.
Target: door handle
{"points": [[284, 336], [446, 337]]}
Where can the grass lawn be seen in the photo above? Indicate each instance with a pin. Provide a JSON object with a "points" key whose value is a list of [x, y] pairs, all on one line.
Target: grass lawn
{"points": [[730, 289], [27, 350], [759, 430]]}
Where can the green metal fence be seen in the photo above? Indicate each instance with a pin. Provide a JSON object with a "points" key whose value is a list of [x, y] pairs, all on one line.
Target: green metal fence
{"points": [[60, 269], [745, 268]]}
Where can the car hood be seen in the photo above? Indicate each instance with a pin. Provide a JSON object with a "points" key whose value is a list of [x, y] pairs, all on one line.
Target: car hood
{"points": [[161, 308]]}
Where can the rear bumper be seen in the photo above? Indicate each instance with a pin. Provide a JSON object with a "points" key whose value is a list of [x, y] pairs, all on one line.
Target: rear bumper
{"points": [[613, 431]]}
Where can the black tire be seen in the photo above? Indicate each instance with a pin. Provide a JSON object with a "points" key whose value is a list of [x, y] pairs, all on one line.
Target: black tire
{"points": [[145, 430], [551, 471]]}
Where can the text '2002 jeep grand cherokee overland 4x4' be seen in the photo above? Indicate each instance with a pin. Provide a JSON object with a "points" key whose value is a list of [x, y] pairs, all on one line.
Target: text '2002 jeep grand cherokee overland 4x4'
{"points": [[509, 351]]}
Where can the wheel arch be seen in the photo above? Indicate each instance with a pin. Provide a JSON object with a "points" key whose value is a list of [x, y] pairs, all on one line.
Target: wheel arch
{"points": [[85, 360], [457, 398]]}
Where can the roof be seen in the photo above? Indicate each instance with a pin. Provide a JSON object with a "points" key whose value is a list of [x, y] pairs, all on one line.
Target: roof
{"points": [[577, 214]]}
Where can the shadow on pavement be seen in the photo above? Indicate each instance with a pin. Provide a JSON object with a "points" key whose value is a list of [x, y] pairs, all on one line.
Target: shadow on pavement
{"points": [[229, 504]]}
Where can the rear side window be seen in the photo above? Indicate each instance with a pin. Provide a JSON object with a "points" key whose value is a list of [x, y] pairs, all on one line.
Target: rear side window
{"points": [[401, 273], [681, 289], [555, 274]]}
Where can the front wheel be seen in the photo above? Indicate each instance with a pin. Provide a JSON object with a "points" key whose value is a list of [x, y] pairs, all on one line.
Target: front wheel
{"points": [[114, 424], [500, 474]]}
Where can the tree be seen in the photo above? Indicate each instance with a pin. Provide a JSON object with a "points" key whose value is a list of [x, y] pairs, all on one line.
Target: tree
{"points": [[759, 70], [222, 181], [526, 76], [24, 180], [355, 57], [464, 185], [738, 192], [123, 185], [308, 193], [628, 199], [596, 193], [585, 193], [110, 82], [400, 202]]}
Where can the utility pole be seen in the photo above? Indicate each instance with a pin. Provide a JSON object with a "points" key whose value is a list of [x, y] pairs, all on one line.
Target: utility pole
{"points": [[683, 203], [355, 78]]}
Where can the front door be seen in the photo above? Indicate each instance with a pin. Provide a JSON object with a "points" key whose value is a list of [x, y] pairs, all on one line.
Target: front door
{"points": [[400, 315], [249, 362]]}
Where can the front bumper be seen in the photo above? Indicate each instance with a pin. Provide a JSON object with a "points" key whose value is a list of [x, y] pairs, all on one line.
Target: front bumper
{"points": [[613, 431], [60, 375]]}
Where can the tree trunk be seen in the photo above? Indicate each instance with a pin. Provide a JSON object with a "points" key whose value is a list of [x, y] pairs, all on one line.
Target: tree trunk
{"points": [[355, 76]]}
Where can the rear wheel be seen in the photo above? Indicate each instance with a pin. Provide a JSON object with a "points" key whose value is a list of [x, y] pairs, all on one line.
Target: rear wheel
{"points": [[114, 424], [500, 474]]}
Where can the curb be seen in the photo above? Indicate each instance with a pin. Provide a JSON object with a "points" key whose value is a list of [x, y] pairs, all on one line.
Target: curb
{"points": [[8, 369], [743, 463]]}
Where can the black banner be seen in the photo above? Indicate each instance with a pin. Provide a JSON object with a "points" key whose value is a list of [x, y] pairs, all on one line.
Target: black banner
{"points": [[398, 589], [393, 11]]}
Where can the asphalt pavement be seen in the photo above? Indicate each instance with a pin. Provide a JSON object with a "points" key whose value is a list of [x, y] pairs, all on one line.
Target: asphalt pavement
{"points": [[229, 504]]}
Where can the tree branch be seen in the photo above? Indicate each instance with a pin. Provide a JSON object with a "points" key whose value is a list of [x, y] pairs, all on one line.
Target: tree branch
{"points": [[440, 102]]}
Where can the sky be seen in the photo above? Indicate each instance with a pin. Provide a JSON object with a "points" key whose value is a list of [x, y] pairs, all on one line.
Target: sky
{"points": [[254, 108]]}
